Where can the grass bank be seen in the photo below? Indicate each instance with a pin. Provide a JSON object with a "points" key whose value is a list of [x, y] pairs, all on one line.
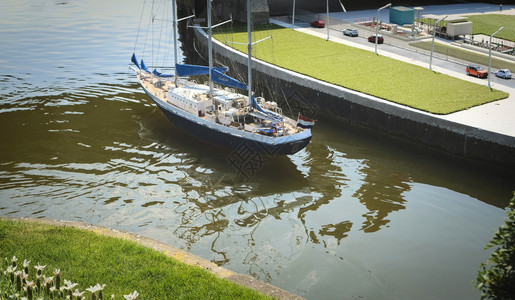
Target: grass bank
{"points": [[485, 24], [361, 70], [87, 258], [465, 55], [490, 23]]}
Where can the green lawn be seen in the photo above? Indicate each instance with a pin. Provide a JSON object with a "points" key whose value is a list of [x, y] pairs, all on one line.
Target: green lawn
{"points": [[466, 55], [87, 258], [488, 24], [361, 70], [485, 24]]}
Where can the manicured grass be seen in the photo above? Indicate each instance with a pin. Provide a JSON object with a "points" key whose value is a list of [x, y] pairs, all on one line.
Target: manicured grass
{"points": [[485, 24], [123, 266], [361, 70], [465, 55], [488, 24]]}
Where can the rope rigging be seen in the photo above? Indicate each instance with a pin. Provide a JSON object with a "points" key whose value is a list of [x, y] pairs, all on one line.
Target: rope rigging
{"points": [[159, 34]]}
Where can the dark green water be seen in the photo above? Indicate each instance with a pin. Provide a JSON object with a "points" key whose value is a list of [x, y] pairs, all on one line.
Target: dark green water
{"points": [[353, 215]]}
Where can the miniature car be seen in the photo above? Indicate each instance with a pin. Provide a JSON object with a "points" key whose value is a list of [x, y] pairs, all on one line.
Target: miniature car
{"points": [[350, 32], [477, 71], [503, 73], [318, 24], [372, 39]]}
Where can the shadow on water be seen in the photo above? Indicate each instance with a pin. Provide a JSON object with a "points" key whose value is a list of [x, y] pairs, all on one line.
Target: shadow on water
{"points": [[391, 163], [418, 163], [274, 172]]}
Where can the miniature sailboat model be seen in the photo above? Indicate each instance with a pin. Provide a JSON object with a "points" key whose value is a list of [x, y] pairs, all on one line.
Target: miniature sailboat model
{"points": [[220, 115]]}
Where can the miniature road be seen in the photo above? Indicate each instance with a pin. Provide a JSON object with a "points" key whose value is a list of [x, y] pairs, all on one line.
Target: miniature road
{"points": [[495, 116], [401, 50]]}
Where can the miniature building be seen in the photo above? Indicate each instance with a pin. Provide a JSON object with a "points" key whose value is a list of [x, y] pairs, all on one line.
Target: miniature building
{"points": [[418, 12], [401, 15]]}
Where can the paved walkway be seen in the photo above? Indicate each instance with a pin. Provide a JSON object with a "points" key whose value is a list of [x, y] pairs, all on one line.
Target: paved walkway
{"points": [[498, 116]]}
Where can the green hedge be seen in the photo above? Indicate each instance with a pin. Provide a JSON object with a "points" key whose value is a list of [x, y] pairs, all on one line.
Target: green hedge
{"points": [[488, 24], [496, 277]]}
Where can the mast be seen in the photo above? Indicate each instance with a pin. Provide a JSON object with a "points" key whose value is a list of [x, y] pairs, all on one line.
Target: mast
{"points": [[249, 85], [174, 11], [210, 47]]}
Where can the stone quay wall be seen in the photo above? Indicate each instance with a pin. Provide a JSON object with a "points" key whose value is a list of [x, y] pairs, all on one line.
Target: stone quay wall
{"points": [[371, 112]]}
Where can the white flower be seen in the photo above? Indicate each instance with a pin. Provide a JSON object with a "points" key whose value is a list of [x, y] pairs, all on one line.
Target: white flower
{"points": [[39, 268], [132, 296], [48, 280], [77, 293], [26, 266], [92, 289], [57, 274], [96, 288], [29, 283], [26, 263], [14, 260], [69, 285]]}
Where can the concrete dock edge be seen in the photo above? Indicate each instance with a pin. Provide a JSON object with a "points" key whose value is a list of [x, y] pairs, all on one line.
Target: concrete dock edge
{"points": [[374, 113]]}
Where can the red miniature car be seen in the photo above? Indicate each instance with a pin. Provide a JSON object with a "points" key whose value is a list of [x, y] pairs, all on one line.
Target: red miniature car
{"points": [[372, 39], [318, 24], [476, 71]]}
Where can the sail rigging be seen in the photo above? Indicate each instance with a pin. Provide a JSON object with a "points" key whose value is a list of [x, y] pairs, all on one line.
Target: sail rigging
{"points": [[144, 67], [135, 60], [217, 114], [188, 70], [158, 74], [221, 78]]}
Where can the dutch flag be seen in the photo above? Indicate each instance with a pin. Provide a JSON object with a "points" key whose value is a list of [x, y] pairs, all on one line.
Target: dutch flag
{"points": [[305, 122]]}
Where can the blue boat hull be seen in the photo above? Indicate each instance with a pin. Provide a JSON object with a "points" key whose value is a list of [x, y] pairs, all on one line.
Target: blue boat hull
{"points": [[229, 141]]}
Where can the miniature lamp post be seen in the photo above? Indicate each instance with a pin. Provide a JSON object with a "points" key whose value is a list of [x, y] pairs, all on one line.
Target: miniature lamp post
{"points": [[343, 7], [327, 25], [377, 21], [433, 43], [293, 17], [490, 54]]}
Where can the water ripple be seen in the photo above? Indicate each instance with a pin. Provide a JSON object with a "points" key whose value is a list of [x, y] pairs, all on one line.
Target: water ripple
{"points": [[81, 141]]}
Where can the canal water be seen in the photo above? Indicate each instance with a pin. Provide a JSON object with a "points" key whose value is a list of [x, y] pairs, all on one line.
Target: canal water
{"points": [[354, 215]]}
